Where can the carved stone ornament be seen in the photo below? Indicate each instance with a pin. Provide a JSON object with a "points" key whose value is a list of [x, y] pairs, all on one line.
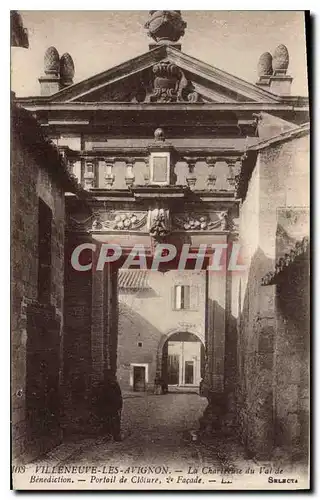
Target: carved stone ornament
{"points": [[129, 221], [199, 222], [265, 64], [119, 221], [159, 224], [171, 85], [159, 135], [224, 218], [280, 60], [51, 61], [165, 25], [66, 69]]}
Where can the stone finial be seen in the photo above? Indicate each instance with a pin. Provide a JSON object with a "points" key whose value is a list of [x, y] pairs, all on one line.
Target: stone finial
{"points": [[66, 69], [159, 135], [280, 59], [51, 61], [265, 64], [165, 25], [272, 71], [50, 82]]}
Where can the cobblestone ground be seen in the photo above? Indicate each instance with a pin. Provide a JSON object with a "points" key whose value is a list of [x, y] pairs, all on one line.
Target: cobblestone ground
{"points": [[156, 430]]}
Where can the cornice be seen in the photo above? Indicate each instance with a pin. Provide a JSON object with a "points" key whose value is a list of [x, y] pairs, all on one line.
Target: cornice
{"points": [[177, 106], [42, 149]]}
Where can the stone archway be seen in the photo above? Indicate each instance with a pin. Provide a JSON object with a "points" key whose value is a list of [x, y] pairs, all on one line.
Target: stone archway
{"points": [[188, 351]]}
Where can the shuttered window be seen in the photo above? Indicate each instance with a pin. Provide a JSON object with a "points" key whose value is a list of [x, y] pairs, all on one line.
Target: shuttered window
{"points": [[182, 297]]}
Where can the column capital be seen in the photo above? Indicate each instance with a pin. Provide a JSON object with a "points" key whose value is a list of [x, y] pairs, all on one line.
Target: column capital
{"points": [[109, 176], [191, 178]]}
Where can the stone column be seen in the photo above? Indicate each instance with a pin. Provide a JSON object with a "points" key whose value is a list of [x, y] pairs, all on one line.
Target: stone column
{"points": [[97, 322], [89, 177], [111, 344], [146, 175], [211, 181], [191, 178], [103, 336], [129, 178], [234, 169], [215, 345], [104, 321], [109, 176]]}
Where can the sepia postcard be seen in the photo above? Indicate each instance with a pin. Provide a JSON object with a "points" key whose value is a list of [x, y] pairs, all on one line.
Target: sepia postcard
{"points": [[160, 269]]}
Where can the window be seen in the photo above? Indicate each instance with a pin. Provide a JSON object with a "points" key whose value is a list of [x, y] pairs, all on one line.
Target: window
{"points": [[44, 252], [181, 297]]}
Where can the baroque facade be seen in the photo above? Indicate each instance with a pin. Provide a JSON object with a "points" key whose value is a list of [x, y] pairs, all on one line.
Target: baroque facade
{"points": [[168, 149]]}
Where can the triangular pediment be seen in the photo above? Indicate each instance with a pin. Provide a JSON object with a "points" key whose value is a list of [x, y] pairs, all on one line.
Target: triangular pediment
{"points": [[134, 81]]}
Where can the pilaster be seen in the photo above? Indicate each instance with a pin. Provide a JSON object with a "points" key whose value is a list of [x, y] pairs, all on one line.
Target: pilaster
{"points": [[98, 322]]}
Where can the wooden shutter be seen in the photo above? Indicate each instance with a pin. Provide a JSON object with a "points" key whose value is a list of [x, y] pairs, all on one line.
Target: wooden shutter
{"points": [[186, 297], [194, 297]]}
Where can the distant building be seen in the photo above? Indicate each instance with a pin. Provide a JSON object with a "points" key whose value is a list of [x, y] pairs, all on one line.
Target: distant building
{"points": [[161, 329]]}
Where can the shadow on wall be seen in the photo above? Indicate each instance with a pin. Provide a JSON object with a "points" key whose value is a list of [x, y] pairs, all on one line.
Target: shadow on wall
{"points": [[272, 357], [293, 349], [256, 331], [138, 342], [76, 346]]}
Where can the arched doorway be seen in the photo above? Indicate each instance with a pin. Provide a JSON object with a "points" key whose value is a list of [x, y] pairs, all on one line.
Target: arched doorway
{"points": [[182, 361]]}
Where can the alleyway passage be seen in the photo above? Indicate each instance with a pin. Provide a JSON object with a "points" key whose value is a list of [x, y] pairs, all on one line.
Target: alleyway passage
{"points": [[157, 451], [156, 430]]}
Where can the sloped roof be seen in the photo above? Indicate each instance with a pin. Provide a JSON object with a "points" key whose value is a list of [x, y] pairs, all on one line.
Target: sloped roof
{"points": [[42, 149], [288, 135], [251, 152], [133, 280]]}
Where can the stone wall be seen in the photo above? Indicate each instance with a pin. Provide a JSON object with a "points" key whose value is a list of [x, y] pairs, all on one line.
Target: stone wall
{"points": [[280, 181], [29, 182], [292, 360], [77, 342]]}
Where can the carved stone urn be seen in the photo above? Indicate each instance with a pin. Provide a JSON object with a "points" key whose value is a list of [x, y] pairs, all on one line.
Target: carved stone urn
{"points": [[165, 25]]}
